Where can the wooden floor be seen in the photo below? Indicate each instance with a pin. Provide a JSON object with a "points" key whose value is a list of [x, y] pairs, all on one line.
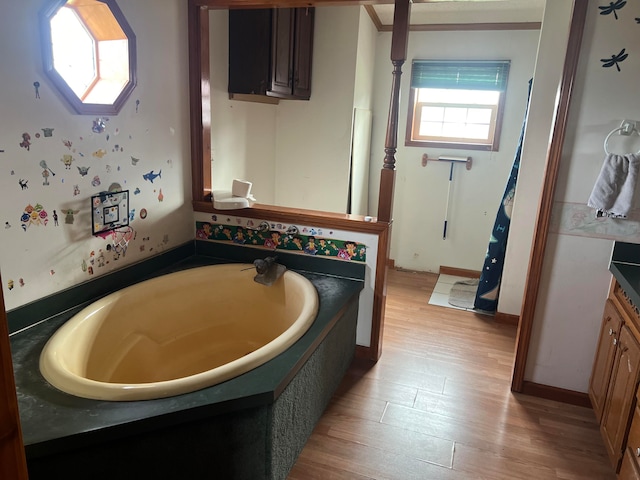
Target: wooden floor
{"points": [[438, 405]]}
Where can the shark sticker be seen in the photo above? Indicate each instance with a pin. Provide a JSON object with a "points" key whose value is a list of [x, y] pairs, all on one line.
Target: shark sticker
{"points": [[152, 176]]}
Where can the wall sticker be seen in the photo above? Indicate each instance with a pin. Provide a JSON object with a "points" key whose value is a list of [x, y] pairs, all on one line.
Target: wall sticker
{"points": [[615, 60], [612, 7]]}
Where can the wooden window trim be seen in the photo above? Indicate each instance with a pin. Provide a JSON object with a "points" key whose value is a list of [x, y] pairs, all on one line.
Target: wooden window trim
{"points": [[412, 141], [417, 120]]}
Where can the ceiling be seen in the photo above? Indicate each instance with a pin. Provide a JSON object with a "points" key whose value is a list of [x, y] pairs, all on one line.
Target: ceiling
{"points": [[454, 12]]}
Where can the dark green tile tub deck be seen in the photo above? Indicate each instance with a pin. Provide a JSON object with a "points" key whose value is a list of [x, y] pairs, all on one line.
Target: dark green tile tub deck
{"points": [[59, 428]]}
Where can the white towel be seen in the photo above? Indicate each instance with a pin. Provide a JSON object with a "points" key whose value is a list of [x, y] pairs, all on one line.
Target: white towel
{"points": [[612, 194]]}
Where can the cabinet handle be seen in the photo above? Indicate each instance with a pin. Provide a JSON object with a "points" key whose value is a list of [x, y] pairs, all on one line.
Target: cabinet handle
{"points": [[611, 331], [615, 341], [638, 452]]}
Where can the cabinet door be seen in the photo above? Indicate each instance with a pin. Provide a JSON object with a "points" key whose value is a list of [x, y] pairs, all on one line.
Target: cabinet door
{"points": [[303, 52], [282, 52], [630, 469], [605, 354], [621, 396], [249, 51]]}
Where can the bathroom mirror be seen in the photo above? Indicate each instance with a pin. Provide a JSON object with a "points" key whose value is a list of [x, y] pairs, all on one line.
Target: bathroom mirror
{"points": [[318, 154], [89, 54]]}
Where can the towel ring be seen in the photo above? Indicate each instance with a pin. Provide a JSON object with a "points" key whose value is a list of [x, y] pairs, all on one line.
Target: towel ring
{"points": [[619, 129]]}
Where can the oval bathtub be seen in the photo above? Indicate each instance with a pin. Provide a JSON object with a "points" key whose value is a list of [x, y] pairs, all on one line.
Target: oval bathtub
{"points": [[178, 333]]}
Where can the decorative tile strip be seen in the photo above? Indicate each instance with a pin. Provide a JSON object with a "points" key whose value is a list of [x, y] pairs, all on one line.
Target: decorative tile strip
{"points": [[579, 220], [277, 236]]}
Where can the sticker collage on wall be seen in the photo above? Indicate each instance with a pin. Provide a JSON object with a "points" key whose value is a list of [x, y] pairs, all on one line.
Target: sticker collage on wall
{"points": [[55, 174]]}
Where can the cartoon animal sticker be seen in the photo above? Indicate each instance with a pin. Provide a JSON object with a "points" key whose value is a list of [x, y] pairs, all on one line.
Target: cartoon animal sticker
{"points": [[67, 160], [34, 216], [152, 176], [76, 190], [69, 215], [160, 196], [99, 153], [67, 143], [99, 125], [96, 181], [26, 141], [83, 171], [23, 184], [10, 284], [134, 161]]}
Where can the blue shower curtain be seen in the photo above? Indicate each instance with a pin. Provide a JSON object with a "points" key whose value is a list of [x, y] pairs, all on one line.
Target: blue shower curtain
{"points": [[489, 285]]}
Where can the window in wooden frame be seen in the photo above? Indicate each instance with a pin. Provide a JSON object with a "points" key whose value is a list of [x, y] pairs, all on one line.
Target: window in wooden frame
{"points": [[456, 104]]}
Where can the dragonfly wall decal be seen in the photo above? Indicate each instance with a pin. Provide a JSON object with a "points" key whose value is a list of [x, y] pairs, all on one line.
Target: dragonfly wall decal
{"points": [[612, 7], [615, 59]]}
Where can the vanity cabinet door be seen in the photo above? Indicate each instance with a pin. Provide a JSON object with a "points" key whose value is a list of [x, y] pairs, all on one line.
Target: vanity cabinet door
{"points": [[605, 355], [621, 395], [630, 468]]}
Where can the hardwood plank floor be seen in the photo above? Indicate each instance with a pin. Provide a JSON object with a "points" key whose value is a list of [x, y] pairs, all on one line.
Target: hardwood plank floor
{"points": [[438, 405]]}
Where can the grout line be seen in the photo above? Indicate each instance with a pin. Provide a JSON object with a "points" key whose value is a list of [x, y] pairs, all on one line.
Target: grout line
{"points": [[453, 453], [386, 405]]}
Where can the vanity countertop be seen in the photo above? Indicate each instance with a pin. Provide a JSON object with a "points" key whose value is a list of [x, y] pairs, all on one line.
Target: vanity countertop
{"points": [[54, 421], [625, 267]]}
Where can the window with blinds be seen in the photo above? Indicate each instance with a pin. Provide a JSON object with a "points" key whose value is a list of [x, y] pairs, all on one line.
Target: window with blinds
{"points": [[456, 104]]}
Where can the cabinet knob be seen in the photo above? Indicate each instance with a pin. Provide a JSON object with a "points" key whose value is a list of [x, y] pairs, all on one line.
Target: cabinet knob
{"points": [[615, 341], [638, 452], [611, 332]]}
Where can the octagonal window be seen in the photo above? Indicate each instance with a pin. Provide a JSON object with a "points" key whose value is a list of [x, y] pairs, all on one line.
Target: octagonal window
{"points": [[89, 53]]}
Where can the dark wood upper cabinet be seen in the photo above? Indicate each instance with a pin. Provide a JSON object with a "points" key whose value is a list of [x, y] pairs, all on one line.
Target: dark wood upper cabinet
{"points": [[270, 52]]}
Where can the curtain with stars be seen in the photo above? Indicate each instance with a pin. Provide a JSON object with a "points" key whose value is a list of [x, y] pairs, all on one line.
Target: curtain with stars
{"points": [[489, 285]]}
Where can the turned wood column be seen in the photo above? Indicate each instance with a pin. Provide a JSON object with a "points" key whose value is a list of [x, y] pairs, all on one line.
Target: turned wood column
{"points": [[399, 41]]}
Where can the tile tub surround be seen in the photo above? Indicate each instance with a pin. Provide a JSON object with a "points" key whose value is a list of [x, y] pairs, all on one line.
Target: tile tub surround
{"points": [[57, 426]]}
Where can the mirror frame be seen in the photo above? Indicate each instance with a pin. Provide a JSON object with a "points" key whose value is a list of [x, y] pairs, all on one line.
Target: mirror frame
{"points": [[45, 15]]}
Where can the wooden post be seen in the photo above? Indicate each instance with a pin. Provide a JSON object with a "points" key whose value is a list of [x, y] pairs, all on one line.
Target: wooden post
{"points": [[13, 464], [399, 39]]}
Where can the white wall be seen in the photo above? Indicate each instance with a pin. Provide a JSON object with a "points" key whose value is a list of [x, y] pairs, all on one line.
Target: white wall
{"points": [[549, 65], [295, 153], [421, 192], [575, 278], [49, 258]]}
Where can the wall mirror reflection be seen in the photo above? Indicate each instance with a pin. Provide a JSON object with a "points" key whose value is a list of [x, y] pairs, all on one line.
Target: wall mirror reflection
{"points": [[89, 54], [325, 153]]}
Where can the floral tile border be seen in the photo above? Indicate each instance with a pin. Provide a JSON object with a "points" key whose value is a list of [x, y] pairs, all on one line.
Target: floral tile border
{"points": [[278, 236]]}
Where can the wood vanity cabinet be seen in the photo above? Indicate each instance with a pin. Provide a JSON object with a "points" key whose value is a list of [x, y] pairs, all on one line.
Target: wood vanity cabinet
{"points": [[614, 379], [605, 355], [630, 468], [270, 52]]}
